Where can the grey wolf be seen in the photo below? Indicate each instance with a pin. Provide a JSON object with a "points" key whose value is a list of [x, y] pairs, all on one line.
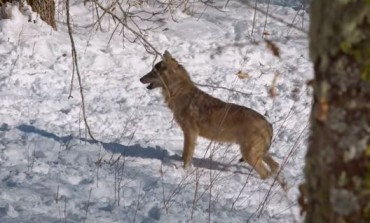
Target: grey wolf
{"points": [[200, 114]]}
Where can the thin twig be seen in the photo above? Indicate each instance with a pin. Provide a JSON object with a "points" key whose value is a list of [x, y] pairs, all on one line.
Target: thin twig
{"points": [[137, 204], [197, 178], [275, 18], [75, 62], [99, 19], [254, 16], [225, 88], [57, 195], [205, 8], [267, 13], [227, 3], [65, 207], [210, 186], [295, 17], [277, 178], [71, 86], [241, 191], [87, 206], [124, 24]]}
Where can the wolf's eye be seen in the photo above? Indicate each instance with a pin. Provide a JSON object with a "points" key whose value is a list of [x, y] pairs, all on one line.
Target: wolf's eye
{"points": [[160, 66]]}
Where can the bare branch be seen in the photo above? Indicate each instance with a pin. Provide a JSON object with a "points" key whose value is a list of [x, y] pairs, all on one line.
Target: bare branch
{"points": [[224, 88], [75, 63], [133, 31], [273, 17]]}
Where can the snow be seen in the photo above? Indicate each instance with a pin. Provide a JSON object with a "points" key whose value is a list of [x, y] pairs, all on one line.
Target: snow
{"points": [[52, 172]]}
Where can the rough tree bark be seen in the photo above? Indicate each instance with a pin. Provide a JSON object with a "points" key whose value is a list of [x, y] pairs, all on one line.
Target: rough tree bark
{"points": [[45, 8], [337, 171]]}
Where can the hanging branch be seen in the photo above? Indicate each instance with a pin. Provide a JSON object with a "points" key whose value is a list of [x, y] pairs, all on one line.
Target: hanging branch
{"points": [[254, 16], [75, 65], [267, 13], [123, 21], [250, 5]]}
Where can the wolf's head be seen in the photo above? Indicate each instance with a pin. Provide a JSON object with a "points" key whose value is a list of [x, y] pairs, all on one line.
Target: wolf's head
{"points": [[164, 73]]}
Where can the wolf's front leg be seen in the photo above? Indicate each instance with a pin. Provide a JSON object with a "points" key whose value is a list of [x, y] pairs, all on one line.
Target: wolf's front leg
{"points": [[190, 137]]}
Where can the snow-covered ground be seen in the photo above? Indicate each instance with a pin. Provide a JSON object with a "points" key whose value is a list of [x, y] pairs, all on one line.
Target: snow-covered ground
{"points": [[50, 170]]}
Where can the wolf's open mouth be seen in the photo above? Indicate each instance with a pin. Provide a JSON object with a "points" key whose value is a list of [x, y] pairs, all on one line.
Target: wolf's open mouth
{"points": [[150, 86]]}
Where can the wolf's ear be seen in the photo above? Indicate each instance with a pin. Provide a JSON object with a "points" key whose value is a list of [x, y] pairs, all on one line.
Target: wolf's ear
{"points": [[167, 56]]}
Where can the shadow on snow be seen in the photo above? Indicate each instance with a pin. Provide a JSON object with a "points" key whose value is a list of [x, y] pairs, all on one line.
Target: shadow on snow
{"points": [[133, 150]]}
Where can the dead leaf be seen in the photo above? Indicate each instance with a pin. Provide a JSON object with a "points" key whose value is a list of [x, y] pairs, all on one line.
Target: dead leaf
{"points": [[273, 90], [272, 46], [242, 74]]}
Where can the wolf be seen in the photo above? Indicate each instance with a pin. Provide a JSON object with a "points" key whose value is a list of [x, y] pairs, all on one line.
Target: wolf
{"points": [[199, 114]]}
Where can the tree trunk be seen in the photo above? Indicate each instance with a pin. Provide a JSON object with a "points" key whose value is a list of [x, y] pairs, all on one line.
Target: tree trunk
{"points": [[45, 8], [337, 171]]}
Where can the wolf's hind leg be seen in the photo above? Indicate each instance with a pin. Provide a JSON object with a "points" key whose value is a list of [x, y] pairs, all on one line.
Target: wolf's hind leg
{"points": [[253, 156], [190, 138], [274, 166]]}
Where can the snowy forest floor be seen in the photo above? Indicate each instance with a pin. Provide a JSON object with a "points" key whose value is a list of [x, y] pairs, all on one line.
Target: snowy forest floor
{"points": [[52, 172]]}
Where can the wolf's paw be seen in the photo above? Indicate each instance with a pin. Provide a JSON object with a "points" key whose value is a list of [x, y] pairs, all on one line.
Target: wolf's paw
{"points": [[264, 176], [188, 166], [185, 166]]}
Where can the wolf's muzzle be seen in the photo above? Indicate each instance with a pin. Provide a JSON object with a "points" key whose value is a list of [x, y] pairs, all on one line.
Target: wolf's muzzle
{"points": [[146, 80]]}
